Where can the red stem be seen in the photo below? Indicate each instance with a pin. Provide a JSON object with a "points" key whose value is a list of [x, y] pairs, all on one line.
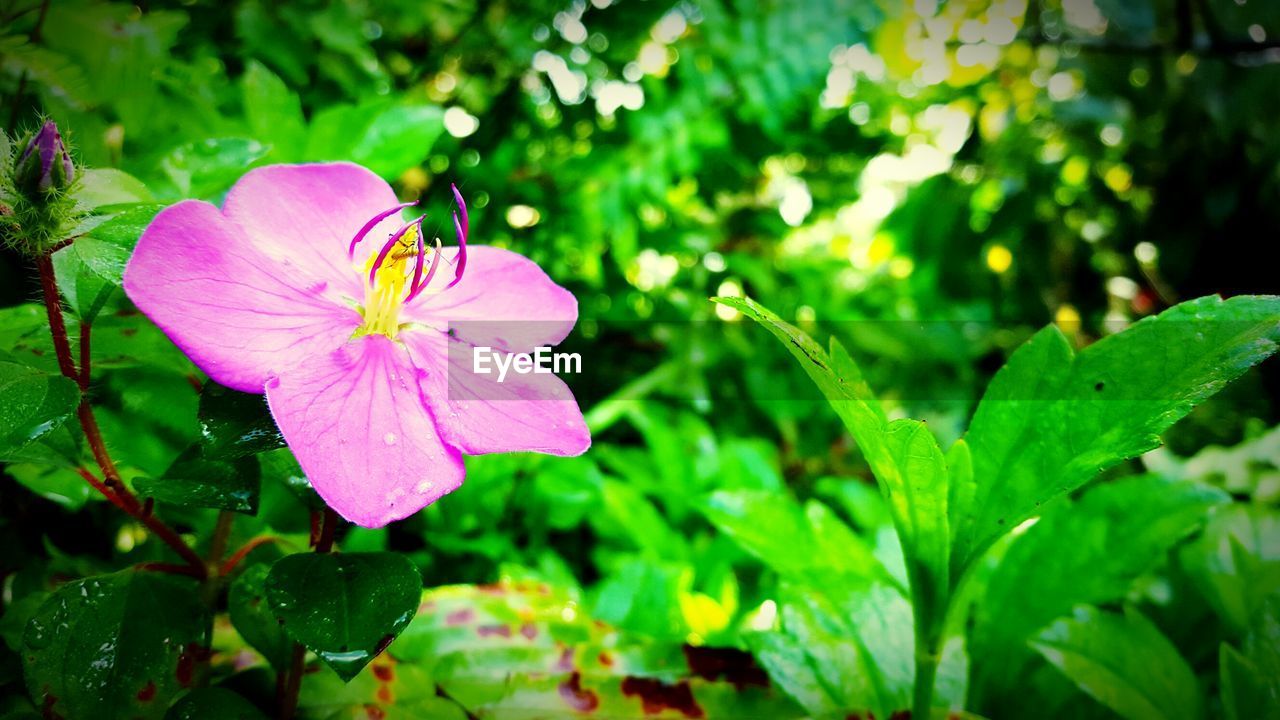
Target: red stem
{"points": [[292, 683], [315, 528], [327, 530], [171, 568], [240, 554], [221, 533], [127, 502], [57, 325], [293, 680], [110, 486]]}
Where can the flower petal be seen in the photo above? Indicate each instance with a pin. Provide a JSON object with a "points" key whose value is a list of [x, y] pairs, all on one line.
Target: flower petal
{"points": [[504, 300], [479, 415], [306, 215], [198, 277], [356, 422]]}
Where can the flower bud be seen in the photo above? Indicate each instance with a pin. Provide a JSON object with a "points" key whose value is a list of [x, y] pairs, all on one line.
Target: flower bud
{"points": [[44, 164]]}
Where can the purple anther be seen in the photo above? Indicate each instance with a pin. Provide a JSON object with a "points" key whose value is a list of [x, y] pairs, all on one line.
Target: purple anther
{"points": [[391, 243], [417, 262], [462, 229], [351, 250], [431, 272]]}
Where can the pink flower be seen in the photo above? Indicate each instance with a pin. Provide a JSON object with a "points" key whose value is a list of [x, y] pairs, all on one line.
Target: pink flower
{"points": [[350, 341]]}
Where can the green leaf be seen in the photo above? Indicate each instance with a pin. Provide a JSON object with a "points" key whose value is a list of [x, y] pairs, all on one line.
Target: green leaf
{"points": [[399, 138], [196, 481], [1088, 552], [107, 248], [346, 607], [282, 467], [962, 486], [59, 484], [516, 649], [917, 495], [394, 691], [1236, 562], [839, 381], [34, 405], [387, 139], [92, 267], [852, 652], [17, 613], [253, 619], [205, 169], [25, 338], [235, 424], [809, 543], [797, 665], [828, 670], [1251, 681], [1246, 694], [1050, 421], [274, 112], [836, 377], [119, 645], [214, 703], [61, 448], [643, 595], [85, 290], [99, 187], [1125, 663], [904, 456]]}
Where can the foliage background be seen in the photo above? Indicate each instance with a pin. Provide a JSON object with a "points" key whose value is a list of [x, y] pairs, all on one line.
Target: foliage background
{"points": [[928, 184]]}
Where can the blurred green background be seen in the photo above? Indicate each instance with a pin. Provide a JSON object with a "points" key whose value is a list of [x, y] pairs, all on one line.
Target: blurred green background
{"points": [[930, 182]]}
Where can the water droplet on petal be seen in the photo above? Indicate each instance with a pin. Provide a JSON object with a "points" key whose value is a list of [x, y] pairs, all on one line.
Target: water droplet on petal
{"points": [[389, 438]]}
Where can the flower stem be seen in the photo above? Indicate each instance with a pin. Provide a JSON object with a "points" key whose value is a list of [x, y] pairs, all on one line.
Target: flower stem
{"points": [[929, 631], [327, 530], [221, 531], [169, 568], [292, 682], [111, 485], [57, 325], [240, 554], [129, 504], [926, 673]]}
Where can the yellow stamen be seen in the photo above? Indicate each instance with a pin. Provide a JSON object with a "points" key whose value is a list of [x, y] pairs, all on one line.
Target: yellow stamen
{"points": [[385, 295]]}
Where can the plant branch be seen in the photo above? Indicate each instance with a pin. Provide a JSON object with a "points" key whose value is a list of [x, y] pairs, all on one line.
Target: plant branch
{"points": [[292, 683], [927, 657], [57, 324], [328, 527], [221, 531], [128, 503], [170, 568], [288, 689], [111, 485], [240, 554]]}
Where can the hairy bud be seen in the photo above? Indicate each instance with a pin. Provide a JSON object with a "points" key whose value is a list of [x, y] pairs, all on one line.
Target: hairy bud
{"points": [[37, 203], [44, 165]]}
